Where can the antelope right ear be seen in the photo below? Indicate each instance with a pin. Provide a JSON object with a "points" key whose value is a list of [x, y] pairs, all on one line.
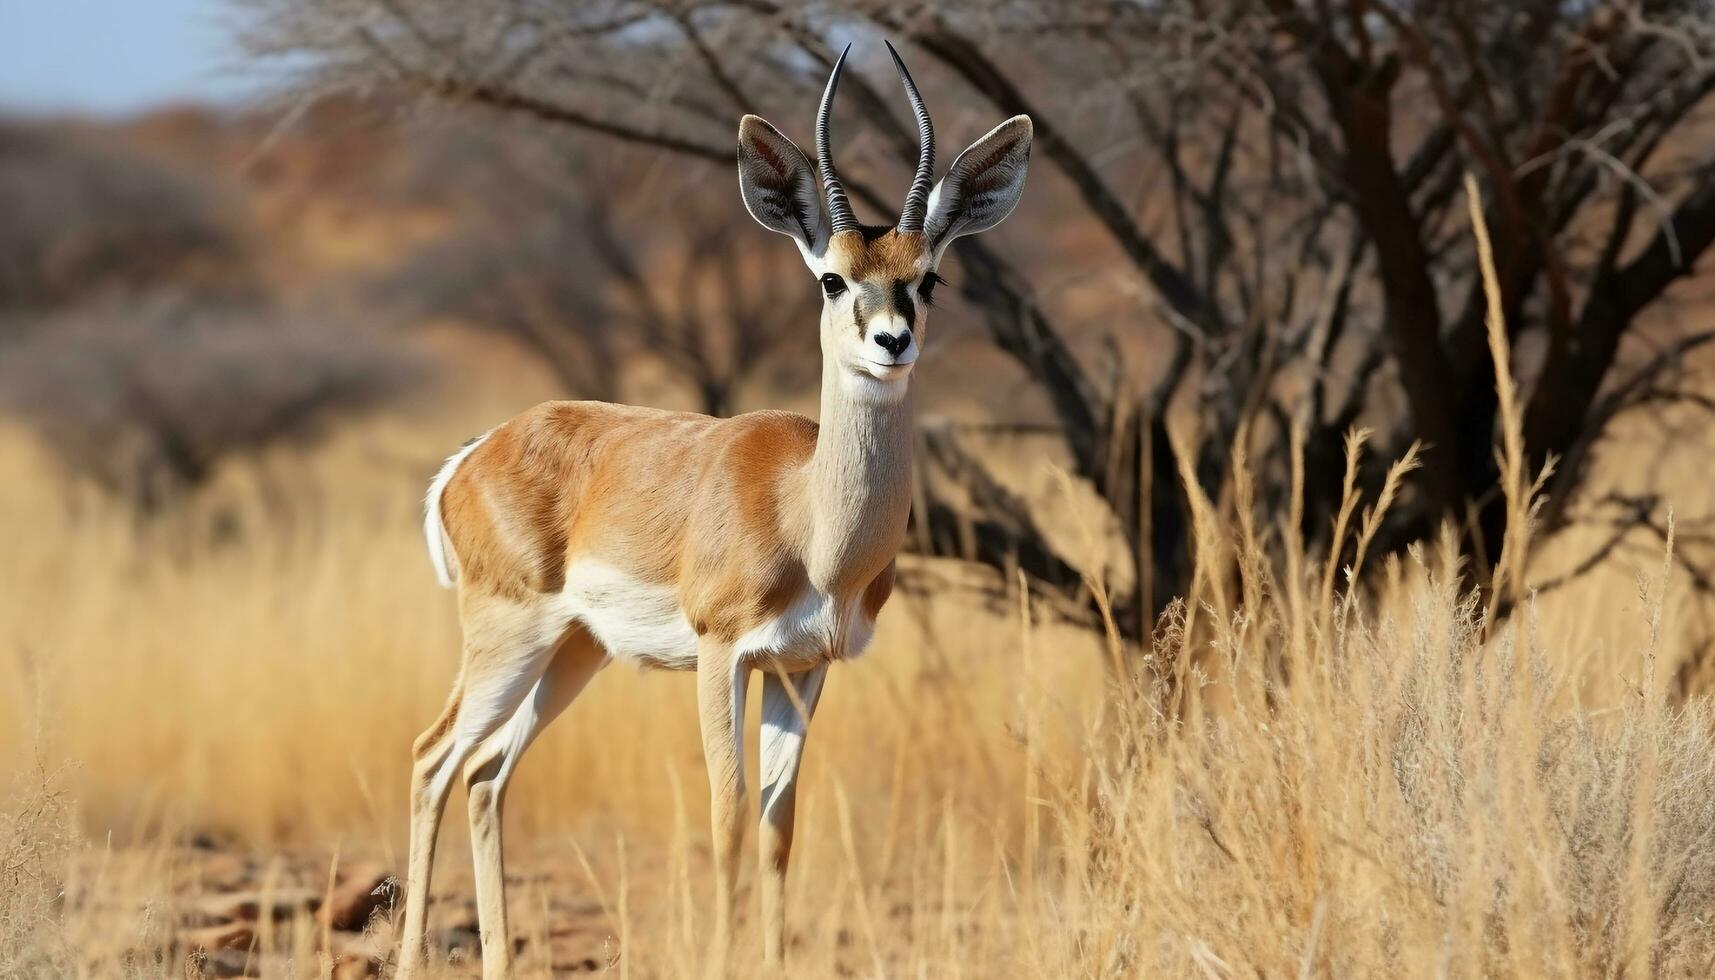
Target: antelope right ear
{"points": [[779, 185], [982, 187]]}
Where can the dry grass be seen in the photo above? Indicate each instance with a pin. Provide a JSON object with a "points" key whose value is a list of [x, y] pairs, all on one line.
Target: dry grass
{"points": [[1299, 779], [1428, 795]]}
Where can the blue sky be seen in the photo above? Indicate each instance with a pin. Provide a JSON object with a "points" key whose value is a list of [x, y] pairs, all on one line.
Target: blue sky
{"points": [[111, 57]]}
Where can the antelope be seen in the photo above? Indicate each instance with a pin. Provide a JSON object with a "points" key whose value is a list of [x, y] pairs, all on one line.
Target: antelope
{"points": [[580, 533]]}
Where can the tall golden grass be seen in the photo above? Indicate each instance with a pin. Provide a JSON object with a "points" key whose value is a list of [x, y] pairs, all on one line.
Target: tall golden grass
{"points": [[1317, 771]]}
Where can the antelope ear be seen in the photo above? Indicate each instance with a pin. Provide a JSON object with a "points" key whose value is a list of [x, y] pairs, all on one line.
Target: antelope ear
{"points": [[982, 187], [779, 185]]}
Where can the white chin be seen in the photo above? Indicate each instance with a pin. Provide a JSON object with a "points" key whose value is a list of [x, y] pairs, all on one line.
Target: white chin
{"points": [[887, 372], [874, 382]]}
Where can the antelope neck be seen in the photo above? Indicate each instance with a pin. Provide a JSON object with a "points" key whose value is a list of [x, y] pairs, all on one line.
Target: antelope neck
{"points": [[859, 479]]}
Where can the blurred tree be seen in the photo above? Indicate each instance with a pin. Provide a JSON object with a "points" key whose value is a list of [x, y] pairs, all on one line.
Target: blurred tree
{"points": [[566, 252], [85, 215], [135, 337], [147, 395], [1298, 227]]}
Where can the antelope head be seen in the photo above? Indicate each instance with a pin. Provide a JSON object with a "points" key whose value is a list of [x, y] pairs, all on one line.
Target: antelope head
{"points": [[877, 282]]}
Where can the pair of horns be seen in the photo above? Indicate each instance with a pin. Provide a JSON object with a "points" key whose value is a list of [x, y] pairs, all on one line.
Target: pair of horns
{"points": [[917, 199]]}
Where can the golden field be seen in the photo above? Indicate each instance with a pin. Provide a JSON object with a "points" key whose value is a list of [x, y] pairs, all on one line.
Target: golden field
{"points": [[256, 334], [1383, 783]]}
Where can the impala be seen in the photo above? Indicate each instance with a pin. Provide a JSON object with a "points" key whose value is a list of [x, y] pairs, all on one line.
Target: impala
{"points": [[579, 533]]}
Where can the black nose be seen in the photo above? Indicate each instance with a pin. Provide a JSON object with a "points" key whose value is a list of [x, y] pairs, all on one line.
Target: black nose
{"points": [[894, 344]]}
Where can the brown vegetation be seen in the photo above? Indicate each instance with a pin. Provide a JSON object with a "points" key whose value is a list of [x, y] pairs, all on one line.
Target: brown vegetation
{"points": [[146, 396], [1266, 193], [1297, 777], [1408, 709], [87, 214], [137, 334], [561, 248], [1387, 781]]}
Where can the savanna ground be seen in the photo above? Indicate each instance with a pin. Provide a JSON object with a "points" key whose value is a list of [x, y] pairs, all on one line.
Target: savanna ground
{"points": [[209, 714]]}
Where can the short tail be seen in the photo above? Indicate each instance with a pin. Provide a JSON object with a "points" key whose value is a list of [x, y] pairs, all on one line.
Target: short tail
{"points": [[441, 553]]}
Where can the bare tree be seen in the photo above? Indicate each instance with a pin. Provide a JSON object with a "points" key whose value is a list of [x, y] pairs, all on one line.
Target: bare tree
{"points": [[563, 247], [709, 306], [1276, 182]]}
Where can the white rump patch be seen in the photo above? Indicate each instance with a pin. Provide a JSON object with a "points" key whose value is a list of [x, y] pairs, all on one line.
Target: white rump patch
{"points": [[441, 553]]}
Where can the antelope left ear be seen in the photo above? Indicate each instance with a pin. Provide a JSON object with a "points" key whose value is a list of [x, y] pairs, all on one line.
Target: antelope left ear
{"points": [[982, 187], [779, 185]]}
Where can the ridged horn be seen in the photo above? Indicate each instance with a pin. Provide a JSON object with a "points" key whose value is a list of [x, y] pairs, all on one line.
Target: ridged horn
{"points": [[917, 200], [839, 209]]}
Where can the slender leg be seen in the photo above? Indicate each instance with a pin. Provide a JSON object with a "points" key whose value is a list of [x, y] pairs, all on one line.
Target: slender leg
{"points": [[788, 704], [721, 679], [504, 655], [490, 770], [429, 753]]}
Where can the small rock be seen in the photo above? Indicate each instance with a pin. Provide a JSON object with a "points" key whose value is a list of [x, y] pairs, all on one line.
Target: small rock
{"points": [[230, 935], [570, 909], [463, 936], [579, 951], [250, 906], [199, 918], [205, 840], [225, 871], [222, 963], [585, 964], [356, 896]]}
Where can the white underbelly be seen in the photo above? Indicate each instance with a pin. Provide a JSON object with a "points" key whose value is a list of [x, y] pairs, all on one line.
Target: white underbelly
{"points": [[643, 622], [632, 619]]}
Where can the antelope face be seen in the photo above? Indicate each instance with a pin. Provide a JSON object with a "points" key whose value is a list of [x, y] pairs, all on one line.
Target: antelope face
{"points": [[877, 283], [876, 288]]}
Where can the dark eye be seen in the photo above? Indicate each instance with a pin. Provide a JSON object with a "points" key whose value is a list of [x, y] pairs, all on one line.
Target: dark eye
{"points": [[832, 285], [926, 288]]}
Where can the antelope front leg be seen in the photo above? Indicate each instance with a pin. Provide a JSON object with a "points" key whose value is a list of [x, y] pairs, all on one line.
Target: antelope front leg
{"points": [[721, 679], [788, 704]]}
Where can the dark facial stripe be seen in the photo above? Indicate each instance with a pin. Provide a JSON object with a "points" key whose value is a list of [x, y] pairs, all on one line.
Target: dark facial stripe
{"points": [[902, 303]]}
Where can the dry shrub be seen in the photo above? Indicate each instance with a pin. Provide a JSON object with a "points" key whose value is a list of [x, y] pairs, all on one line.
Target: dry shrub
{"points": [[37, 836], [1425, 797], [85, 214], [145, 396], [1416, 790]]}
